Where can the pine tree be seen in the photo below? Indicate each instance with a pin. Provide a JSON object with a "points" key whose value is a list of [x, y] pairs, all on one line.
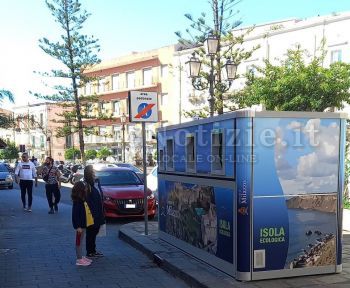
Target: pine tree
{"points": [[76, 52]]}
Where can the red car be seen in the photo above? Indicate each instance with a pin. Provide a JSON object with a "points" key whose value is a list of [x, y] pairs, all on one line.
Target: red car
{"points": [[123, 193]]}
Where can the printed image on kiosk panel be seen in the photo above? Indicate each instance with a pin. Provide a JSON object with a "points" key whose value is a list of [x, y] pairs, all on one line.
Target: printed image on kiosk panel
{"points": [[312, 230], [302, 153], [294, 232], [192, 216], [307, 155]]}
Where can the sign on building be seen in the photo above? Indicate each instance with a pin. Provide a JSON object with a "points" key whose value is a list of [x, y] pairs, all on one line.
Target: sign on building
{"points": [[143, 106]]}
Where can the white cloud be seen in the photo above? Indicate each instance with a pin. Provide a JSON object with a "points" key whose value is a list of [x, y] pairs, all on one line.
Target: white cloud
{"points": [[315, 172]]}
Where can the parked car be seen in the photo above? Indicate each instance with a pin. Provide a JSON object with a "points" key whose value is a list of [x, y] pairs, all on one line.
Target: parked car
{"points": [[152, 181], [131, 167], [123, 194], [6, 179]]}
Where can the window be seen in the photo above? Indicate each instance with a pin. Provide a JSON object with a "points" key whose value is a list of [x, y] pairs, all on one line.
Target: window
{"points": [[69, 141], [164, 99], [251, 69], [115, 82], [117, 133], [217, 151], [89, 109], [102, 130], [116, 108], [103, 107], [169, 154], [101, 85], [161, 159], [130, 80], [190, 153], [33, 141], [42, 142], [336, 56], [88, 89], [41, 119], [164, 71], [147, 76]]}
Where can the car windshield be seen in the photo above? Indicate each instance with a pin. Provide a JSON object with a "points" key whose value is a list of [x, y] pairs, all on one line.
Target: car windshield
{"points": [[3, 168], [111, 178], [129, 166]]}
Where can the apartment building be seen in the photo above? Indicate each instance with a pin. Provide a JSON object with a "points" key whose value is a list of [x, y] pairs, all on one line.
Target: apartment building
{"points": [[141, 71], [275, 39], [36, 130]]}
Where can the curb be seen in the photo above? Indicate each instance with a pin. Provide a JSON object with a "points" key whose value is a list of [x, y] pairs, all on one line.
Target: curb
{"points": [[177, 263]]}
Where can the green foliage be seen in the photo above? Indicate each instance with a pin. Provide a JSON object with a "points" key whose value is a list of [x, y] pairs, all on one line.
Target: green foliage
{"points": [[72, 154], [76, 52], [10, 152], [297, 84], [5, 120], [91, 154], [103, 153], [346, 203], [220, 22]]}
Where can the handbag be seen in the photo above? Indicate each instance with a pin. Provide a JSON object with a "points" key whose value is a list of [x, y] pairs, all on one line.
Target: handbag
{"points": [[102, 232], [46, 177]]}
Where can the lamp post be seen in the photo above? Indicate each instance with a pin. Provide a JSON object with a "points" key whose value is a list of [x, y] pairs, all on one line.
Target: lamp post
{"points": [[212, 48], [123, 120]]}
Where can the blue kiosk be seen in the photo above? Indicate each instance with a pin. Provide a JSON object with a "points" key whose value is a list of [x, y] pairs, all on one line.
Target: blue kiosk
{"points": [[257, 195]]}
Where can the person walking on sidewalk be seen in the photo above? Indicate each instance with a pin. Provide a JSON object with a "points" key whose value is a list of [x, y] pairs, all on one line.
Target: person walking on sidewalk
{"points": [[25, 173], [94, 200], [81, 219], [51, 176]]}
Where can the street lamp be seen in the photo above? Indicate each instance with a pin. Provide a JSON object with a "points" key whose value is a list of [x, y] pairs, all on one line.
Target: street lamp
{"points": [[212, 48], [123, 121]]}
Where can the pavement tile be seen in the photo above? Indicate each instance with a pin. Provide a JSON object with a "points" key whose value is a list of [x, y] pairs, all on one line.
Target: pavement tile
{"points": [[38, 251], [198, 274]]}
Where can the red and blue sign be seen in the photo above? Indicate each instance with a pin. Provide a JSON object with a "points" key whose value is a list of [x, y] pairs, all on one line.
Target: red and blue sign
{"points": [[143, 106], [144, 110]]}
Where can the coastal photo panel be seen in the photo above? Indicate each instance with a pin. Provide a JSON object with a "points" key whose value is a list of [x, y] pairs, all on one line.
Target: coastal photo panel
{"points": [[200, 215]]}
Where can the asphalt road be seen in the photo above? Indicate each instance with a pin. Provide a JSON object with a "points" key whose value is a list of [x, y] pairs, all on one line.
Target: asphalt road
{"points": [[65, 198]]}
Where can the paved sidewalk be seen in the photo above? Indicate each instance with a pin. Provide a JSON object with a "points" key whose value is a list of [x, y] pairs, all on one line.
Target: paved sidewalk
{"points": [[37, 250], [198, 274]]}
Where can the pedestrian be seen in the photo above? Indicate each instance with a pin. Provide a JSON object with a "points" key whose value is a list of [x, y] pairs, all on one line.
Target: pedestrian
{"points": [[94, 200], [34, 161], [25, 173], [81, 219], [51, 175]]}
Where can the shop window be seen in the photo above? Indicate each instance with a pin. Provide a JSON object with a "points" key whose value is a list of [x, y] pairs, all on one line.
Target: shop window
{"points": [[190, 153], [217, 152], [170, 154]]}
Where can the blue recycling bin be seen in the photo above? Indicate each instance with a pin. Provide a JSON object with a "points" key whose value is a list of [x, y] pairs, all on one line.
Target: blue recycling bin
{"points": [[257, 195]]}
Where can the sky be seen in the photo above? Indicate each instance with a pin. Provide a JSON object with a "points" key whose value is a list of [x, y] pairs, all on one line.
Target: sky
{"points": [[122, 26]]}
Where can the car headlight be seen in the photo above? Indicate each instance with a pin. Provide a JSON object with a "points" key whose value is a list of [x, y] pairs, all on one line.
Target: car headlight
{"points": [[150, 197], [107, 198], [9, 178]]}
